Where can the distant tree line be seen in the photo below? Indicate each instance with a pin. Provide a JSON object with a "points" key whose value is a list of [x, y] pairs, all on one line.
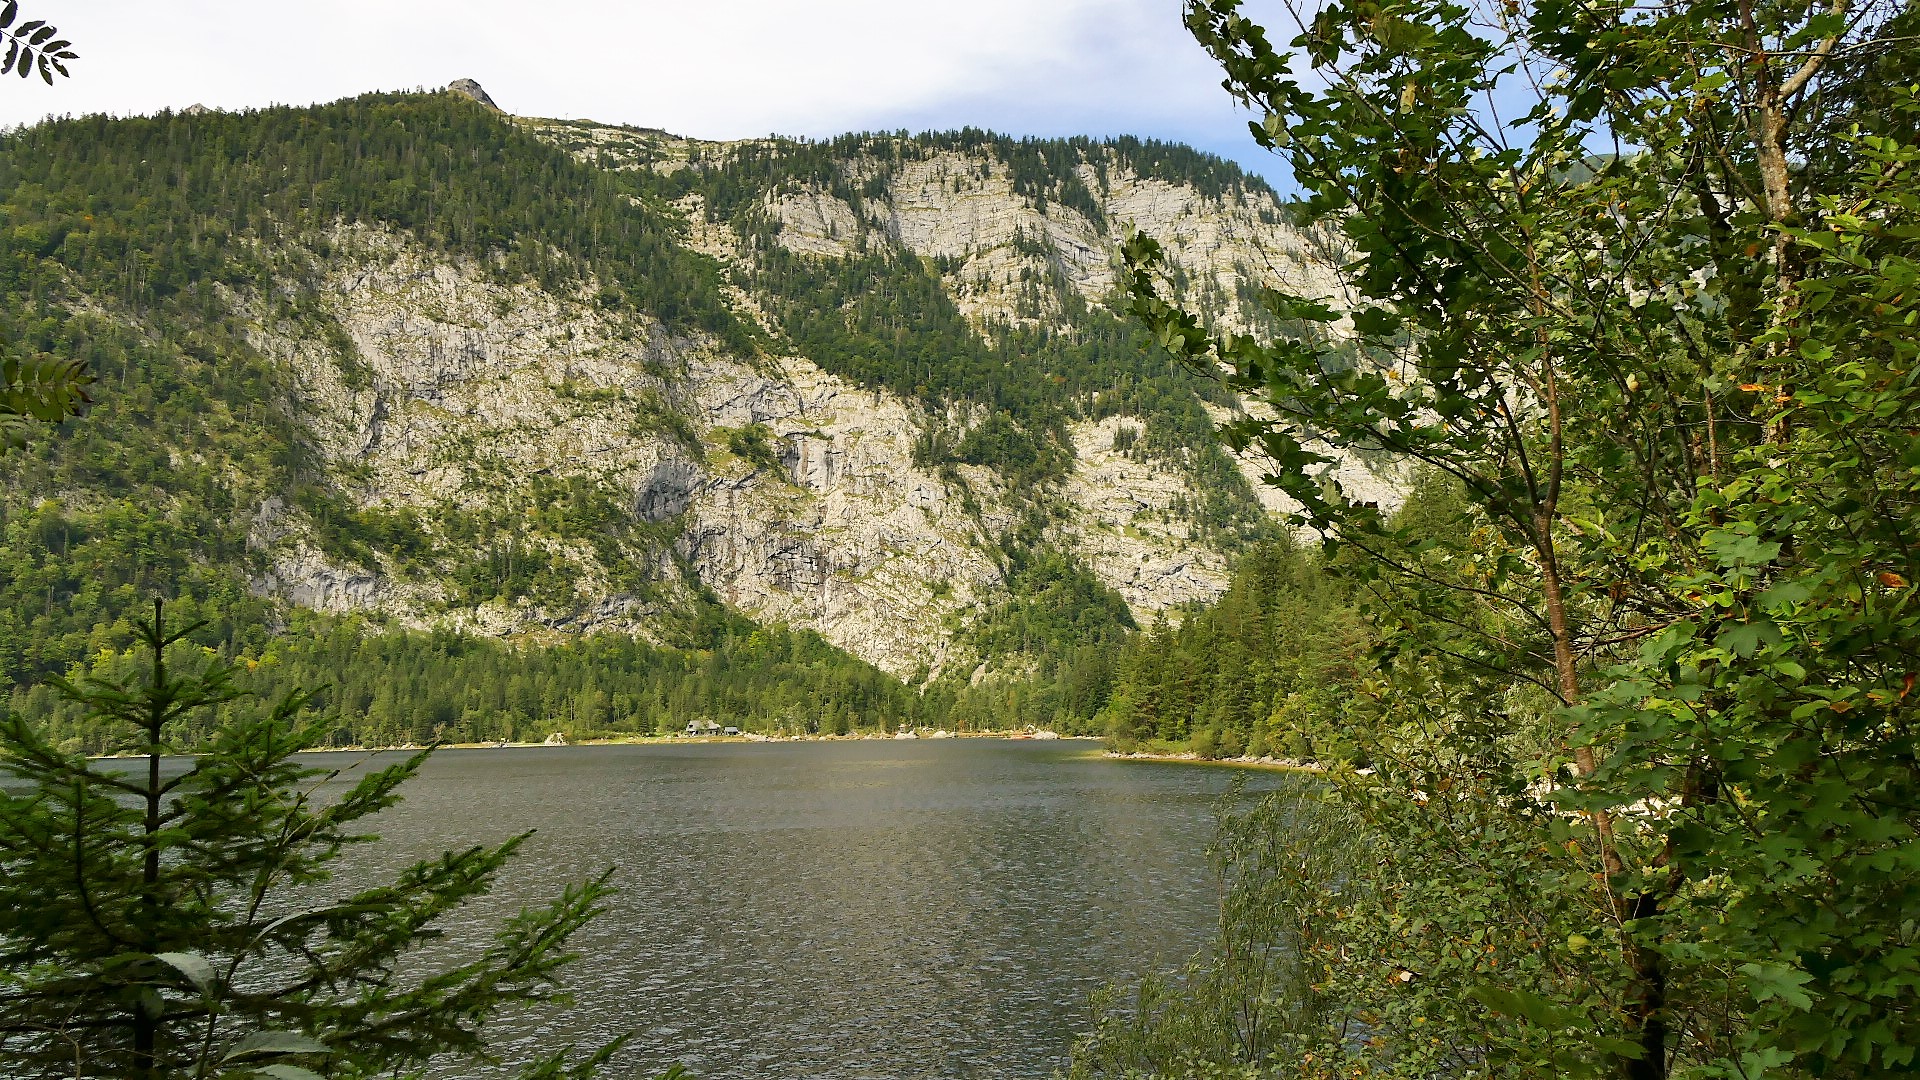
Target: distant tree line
{"points": [[398, 687]]}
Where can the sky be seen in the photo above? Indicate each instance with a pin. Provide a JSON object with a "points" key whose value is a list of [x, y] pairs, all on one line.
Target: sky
{"points": [[714, 69]]}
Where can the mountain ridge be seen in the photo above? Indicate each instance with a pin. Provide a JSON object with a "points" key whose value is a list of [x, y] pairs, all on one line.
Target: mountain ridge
{"points": [[511, 410]]}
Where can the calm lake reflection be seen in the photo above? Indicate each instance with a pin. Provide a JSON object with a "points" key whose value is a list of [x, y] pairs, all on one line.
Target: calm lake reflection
{"points": [[889, 910]]}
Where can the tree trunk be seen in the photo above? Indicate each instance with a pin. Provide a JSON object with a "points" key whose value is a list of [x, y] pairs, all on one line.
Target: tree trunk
{"points": [[1646, 1001], [146, 1026]]}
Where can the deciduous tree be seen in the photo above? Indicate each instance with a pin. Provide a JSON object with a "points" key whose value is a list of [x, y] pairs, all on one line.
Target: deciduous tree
{"points": [[1639, 282]]}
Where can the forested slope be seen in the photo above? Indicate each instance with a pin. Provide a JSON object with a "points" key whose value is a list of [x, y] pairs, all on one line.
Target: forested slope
{"points": [[409, 365]]}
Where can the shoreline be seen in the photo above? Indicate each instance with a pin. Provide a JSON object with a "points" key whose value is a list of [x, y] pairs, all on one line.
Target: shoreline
{"points": [[697, 740], [1173, 757], [1188, 757]]}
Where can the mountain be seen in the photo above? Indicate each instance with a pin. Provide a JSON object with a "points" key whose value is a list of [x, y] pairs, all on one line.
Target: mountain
{"points": [[410, 358]]}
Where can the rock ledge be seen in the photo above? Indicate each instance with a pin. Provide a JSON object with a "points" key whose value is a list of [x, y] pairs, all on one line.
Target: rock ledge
{"points": [[472, 89]]}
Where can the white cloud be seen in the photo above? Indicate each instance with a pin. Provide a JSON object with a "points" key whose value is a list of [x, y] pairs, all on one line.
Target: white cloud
{"points": [[708, 68]]}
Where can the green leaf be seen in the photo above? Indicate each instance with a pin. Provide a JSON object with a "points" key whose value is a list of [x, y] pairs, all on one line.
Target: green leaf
{"points": [[1734, 549], [1778, 982], [198, 969], [1519, 1003], [1783, 595], [1745, 639], [8, 12], [1826, 24], [275, 1042], [1375, 322], [279, 1071]]}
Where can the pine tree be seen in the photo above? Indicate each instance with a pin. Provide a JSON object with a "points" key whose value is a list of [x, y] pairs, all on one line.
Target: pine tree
{"points": [[159, 922]]}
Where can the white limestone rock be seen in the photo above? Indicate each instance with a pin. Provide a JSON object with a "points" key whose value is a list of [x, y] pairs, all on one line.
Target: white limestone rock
{"points": [[469, 88], [433, 385]]}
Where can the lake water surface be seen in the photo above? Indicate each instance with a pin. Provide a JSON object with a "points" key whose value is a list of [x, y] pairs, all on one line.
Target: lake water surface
{"points": [[880, 909]]}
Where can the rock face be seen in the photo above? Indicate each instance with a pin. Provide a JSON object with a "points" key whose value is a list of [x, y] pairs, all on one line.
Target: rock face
{"points": [[1127, 528], [637, 471], [463, 396], [471, 89]]}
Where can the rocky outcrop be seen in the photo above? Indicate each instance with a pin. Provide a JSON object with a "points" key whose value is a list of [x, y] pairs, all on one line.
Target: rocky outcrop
{"points": [[471, 89], [847, 535], [961, 209], [1126, 528], [462, 395], [634, 467]]}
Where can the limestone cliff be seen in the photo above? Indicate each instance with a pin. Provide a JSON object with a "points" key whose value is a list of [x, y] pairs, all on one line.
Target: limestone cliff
{"points": [[617, 471]]}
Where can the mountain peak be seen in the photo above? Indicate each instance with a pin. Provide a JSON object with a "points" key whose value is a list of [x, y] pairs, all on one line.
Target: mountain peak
{"points": [[472, 89]]}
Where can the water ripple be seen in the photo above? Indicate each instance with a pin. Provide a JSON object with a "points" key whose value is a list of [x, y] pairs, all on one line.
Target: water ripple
{"points": [[884, 910]]}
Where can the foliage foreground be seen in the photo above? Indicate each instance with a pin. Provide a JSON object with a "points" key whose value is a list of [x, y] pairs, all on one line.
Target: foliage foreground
{"points": [[1647, 778], [169, 922]]}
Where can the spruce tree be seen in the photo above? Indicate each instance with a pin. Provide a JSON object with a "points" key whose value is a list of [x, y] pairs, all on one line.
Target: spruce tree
{"points": [[163, 921]]}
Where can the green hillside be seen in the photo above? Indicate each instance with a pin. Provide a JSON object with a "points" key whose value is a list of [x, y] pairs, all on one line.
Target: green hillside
{"points": [[128, 242]]}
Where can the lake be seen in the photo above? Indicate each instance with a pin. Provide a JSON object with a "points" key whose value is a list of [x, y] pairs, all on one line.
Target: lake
{"points": [[890, 910]]}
